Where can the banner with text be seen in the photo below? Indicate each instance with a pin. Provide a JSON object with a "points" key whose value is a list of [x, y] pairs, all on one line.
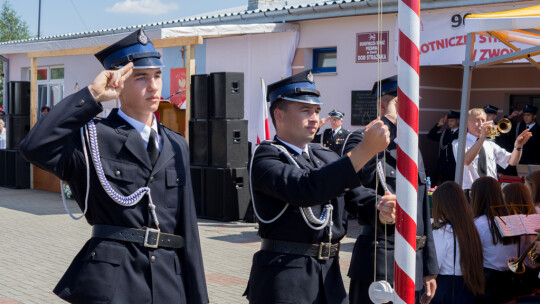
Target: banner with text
{"points": [[443, 38]]}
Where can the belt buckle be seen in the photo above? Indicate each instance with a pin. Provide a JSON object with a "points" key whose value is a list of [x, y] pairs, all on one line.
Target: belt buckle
{"points": [[321, 255], [148, 231]]}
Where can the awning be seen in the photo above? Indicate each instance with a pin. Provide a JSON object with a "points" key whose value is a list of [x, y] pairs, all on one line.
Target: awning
{"points": [[520, 25]]}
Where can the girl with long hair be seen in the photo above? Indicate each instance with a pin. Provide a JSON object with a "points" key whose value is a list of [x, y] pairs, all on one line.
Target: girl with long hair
{"points": [[487, 202], [458, 246], [532, 181]]}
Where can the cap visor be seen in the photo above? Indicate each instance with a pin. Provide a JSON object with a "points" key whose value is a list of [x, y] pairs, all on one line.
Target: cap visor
{"points": [[309, 99]]}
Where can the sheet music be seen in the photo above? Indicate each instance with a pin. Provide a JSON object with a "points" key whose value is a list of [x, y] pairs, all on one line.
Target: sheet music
{"points": [[518, 224]]}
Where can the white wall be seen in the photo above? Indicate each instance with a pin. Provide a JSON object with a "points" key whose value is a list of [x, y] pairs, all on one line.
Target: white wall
{"points": [[351, 76]]}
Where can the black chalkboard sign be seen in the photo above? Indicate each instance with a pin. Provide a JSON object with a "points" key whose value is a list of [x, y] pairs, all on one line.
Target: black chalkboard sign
{"points": [[363, 107]]}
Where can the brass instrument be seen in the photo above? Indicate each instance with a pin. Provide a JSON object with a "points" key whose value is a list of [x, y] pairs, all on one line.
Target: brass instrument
{"points": [[517, 266], [503, 127]]}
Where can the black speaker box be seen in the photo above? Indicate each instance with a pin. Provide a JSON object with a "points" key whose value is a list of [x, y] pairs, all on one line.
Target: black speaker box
{"points": [[16, 170], [227, 193], [199, 142], [228, 143], [199, 96], [3, 168], [198, 181], [17, 128], [227, 95], [19, 98]]}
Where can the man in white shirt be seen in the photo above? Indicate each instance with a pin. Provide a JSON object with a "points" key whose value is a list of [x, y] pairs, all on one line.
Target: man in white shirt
{"points": [[482, 156]]}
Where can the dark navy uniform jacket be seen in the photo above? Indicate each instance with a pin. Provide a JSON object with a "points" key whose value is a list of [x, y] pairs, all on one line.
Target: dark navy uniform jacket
{"points": [[334, 142], [362, 259], [446, 164], [529, 154], [107, 271], [287, 278]]}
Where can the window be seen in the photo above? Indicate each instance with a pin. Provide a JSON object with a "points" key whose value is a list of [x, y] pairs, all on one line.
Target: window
{"points": [[324, 60], [50, 81]]}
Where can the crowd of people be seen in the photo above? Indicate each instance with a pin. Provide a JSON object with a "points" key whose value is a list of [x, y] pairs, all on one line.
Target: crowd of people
{"points": [[304, 191]]}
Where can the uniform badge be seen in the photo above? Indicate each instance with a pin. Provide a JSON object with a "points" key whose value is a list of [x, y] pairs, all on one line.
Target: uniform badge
{"points": [[142, 38], [310, 77]]}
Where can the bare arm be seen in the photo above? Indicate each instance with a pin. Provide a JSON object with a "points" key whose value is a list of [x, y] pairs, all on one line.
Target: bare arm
{"points": [[522, 139], [470, 155]]}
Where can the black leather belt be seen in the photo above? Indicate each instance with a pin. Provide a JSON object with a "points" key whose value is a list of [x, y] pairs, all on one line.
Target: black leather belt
{"points": [[322, 251], [148, 237], [370, 231]]}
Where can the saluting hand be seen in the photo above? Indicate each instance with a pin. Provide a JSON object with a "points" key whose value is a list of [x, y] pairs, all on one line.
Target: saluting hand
{"points": [[387, 209], [109, 83]]}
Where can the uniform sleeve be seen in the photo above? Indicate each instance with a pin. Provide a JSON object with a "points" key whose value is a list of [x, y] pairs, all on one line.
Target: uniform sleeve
{"points": [[54, 142], [431, 266], [367, 173], [434, 133], [274, 176], [361, 202], [191, 255]]}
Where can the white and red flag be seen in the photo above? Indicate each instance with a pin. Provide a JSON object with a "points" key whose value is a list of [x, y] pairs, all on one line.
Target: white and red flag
{"points": [[263, 125]]}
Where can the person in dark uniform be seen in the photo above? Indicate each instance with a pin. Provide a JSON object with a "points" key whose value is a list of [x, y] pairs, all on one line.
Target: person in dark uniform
{"points": [[334, 137], [532, 147], [299, 192], [446, 164], [362, 270], [138, 198]]}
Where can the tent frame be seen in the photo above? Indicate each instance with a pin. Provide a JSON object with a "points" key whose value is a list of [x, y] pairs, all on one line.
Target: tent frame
{"points": [[468, 66]]}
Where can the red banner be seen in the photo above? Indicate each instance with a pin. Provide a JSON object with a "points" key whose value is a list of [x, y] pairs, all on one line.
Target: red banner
{"points": [[178, 82]]}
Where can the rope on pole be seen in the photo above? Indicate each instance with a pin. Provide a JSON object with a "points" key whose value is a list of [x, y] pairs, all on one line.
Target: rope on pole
{"points": [[407, 149]]}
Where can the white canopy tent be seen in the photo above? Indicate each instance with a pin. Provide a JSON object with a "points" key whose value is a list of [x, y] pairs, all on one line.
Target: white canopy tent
{"points": [[509, 27]]}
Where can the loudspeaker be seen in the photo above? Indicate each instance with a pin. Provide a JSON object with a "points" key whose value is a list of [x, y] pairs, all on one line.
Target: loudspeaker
{"points": [[3, 169], [228, 142], [227, 193], [227, 95], [16, 170], [198, 142], [199, 96], [17, 127], [199, 189], [19, 98]]}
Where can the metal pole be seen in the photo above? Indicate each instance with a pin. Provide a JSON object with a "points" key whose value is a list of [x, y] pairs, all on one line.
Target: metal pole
{"points": [[39, 20], [465, 100]]}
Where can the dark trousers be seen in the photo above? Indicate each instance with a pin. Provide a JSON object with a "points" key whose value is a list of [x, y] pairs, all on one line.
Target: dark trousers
{"points": [[451, 290], [500, 287], [359, 293]]}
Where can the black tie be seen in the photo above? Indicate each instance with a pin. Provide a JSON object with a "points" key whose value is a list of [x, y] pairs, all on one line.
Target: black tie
{"points": [[306, 157], [482, 163], [152, 149]]}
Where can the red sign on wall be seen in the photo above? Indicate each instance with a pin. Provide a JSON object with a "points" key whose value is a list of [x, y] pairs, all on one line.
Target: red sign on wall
{"points": [[178, 82], [367, 45]]}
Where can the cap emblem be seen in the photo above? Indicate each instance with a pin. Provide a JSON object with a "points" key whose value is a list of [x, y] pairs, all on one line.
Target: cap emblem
{"points": [[310, 77], [143, 38]]}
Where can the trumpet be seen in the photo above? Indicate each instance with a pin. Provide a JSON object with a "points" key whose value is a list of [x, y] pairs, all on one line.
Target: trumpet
{"points": [[503, 127], [516, 264]]}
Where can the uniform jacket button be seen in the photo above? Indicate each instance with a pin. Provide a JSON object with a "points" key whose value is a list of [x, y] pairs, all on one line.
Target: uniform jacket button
{"points": [[177, 180], [80, 103], [117, 173], [151, 179], [347, 189], [153, 259], [93, 254]]}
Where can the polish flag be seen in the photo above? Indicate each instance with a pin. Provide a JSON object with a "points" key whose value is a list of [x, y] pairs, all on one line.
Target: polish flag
{"points": [[263, 125]]}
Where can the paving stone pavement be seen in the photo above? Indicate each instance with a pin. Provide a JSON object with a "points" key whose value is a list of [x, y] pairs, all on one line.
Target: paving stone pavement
{"points": [[38, 240]]}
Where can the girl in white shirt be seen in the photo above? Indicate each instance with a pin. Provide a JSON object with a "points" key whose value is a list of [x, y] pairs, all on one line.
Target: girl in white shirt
{"points": [[458, 246], [487, 202]]}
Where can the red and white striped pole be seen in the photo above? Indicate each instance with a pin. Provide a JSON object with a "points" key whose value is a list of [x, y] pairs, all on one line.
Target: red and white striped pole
{"points": [[407, 149]]}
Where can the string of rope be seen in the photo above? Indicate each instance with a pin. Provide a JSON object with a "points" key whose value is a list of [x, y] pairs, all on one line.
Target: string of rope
{"points": [[307, 213], [126, 201]]}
